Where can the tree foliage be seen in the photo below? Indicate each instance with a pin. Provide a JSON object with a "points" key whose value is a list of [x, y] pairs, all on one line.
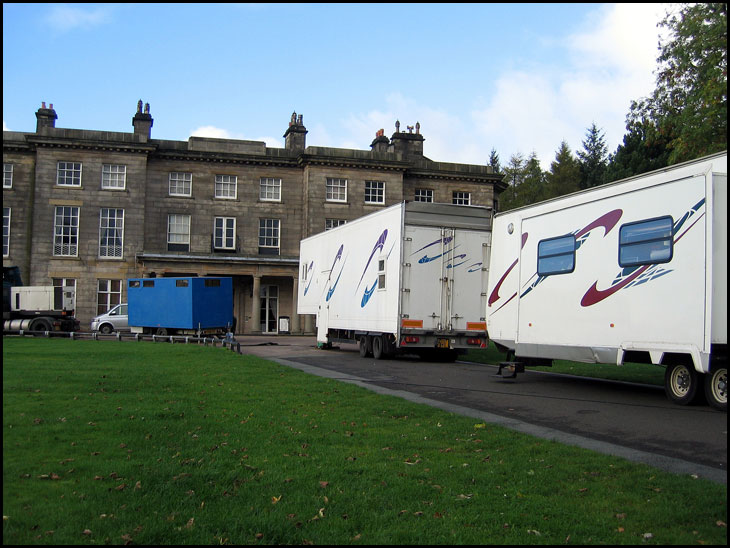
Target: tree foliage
{"points": [[683, 119], [688, 108]]}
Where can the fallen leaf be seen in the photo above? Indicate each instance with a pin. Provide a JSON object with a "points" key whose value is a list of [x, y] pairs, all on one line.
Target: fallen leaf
{"points": [[274, 500], [189, 524], [86, 532], [324, 483]]}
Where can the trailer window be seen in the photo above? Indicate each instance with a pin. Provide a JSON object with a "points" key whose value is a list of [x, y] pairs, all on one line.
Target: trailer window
{"points": [[212, 283], [556, 256], [181, 283], [148, 283], [646, 242], [133, 283], [381, 274]]}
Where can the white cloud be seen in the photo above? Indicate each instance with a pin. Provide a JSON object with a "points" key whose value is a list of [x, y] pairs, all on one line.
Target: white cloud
{"points": [[221, 133], [65, 18], [610, 62]]}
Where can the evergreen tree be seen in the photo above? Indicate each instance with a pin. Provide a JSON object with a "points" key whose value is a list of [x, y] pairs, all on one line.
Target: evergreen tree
{"points": [[513, 175], [564, 175], [593, 158], [494, 160]]}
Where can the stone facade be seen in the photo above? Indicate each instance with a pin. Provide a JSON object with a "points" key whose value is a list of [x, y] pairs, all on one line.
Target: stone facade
{"points": [[93, 208]]}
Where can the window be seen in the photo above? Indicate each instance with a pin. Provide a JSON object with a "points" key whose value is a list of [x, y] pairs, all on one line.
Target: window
{"points": [[336, 190], [270, 189], [224, 233], [113, 177], [111, 232], [182, 283], [108, 295], [556, 255], [461, 198], [423, 195], [646, 242], [66, 231], [7, 175], [64, 282], [212, 282], [226, 186], [180, 184], [329, 224], [68, 174], [6, 231], [269, 236], [178, 232], [374, 192], [381, 273]]}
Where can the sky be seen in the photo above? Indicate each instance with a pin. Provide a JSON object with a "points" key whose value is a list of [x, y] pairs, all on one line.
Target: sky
{"points": [[516, 78]]}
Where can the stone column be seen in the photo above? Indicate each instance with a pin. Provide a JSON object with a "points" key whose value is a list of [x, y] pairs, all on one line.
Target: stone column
{"points": [[256, 305], [294, 328]]}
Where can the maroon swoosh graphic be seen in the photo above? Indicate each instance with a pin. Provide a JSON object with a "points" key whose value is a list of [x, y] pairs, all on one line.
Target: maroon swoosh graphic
{"points": [[607, 221], [494, 297], [594, 295]]}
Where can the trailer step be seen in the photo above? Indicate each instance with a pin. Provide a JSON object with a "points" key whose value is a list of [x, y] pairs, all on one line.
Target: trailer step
{"points": [[514, 367]]}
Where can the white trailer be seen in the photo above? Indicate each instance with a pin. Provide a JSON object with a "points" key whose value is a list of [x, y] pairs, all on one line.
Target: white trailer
{"points": [[411, 277], [633, 271]]}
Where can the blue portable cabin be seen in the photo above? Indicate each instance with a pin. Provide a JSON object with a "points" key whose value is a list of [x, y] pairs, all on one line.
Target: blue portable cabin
{"points": [[180, 304]]}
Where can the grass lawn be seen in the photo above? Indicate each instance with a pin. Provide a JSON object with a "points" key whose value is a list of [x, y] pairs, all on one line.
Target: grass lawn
{"points": [[152, 443]]}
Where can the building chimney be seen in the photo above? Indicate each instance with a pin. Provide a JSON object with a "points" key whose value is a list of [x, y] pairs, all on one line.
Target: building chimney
{"points": [[407, 143], [381, 142], [45, 117], [142, 121], [296, 134]]}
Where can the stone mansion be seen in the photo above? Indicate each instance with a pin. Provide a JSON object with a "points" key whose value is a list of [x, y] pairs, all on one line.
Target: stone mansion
{"points": [[91, 208]]}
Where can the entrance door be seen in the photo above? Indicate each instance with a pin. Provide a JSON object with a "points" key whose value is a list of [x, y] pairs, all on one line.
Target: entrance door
{"points": [[269, 308]]}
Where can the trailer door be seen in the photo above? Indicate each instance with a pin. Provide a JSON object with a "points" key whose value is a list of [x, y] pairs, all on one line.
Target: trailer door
{"points": [[444, 279], [425, 278]]}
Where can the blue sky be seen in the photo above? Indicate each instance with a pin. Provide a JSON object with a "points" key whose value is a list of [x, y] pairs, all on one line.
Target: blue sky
{"points": [[514, 77]]}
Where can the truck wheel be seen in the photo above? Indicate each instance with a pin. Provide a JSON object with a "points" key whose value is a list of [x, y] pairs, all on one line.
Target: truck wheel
{"points": [[716, 388], [41, 325], [680, 383], [365, 346], [378, 345], [105, 329]]}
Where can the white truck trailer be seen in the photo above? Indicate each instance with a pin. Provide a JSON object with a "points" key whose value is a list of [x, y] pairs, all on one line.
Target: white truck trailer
{"points": [[411, 277], [632, 271]]}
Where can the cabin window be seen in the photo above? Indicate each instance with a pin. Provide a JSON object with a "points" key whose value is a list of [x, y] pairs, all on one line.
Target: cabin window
{"points": [[646, 242], [182, 283], [556, 256], [212, 282], [381, 274]]}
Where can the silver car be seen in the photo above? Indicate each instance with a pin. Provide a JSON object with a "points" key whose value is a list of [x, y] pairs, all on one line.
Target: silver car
{"points": [[114, 320]]}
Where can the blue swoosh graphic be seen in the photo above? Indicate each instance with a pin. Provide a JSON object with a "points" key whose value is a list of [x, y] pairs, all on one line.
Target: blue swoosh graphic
{"points": [[378, 245], [309, 272], [368, 293]]}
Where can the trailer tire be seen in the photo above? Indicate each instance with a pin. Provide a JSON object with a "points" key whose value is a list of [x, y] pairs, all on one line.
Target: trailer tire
{"points": [[161, 332], [378, 347], [681, 383], [366, 346], [716, 388]]}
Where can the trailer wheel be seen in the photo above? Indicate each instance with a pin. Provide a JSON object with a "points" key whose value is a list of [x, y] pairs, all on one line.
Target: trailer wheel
{"points": [[366, 346], [378, 347], [161, 332], [716, 388], [681, 383]]}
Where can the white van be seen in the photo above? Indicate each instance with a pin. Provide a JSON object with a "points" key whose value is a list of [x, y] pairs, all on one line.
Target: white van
{"points": [[114, 320]]}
